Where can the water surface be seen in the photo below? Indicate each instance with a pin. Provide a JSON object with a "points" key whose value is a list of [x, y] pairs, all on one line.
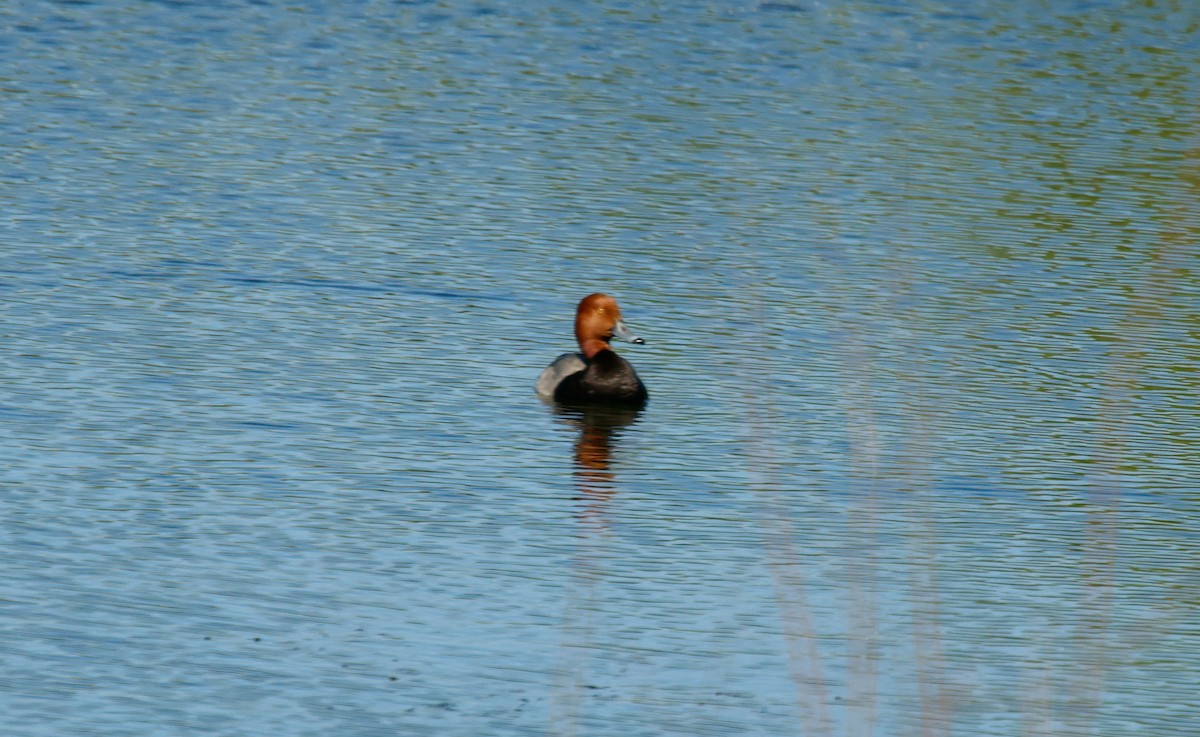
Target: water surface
{"points": [[919, 289]]}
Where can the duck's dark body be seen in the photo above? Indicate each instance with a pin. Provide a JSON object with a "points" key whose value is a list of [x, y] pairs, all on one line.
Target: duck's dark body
{"points": [[605, 379]]}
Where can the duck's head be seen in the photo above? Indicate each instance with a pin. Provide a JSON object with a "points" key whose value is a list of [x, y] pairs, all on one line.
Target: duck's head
{"points": [[597, 322]]}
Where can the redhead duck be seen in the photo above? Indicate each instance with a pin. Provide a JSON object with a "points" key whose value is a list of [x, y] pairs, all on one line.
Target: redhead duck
{"points": [[596, 375]]}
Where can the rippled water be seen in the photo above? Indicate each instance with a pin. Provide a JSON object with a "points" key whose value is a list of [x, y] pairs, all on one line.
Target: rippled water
{"points": [[919, 288]]}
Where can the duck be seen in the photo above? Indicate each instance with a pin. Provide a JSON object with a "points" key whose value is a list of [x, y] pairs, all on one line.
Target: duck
{"points": [[595, 375]]}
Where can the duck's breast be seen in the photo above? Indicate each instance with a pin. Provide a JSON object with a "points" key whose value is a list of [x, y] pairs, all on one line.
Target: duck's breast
{"points": [[607, 379]]}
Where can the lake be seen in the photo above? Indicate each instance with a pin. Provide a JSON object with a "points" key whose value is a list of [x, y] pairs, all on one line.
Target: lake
{"points": [[920, 293]]}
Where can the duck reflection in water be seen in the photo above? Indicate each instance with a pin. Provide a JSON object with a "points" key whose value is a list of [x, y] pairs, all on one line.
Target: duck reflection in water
{"points": [[599, 429]]}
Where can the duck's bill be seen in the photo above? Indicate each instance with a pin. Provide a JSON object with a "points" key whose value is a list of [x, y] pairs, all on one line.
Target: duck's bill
{"points": [[624, 333]]}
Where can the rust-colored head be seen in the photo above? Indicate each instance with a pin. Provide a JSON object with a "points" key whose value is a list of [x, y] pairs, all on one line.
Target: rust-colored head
{"points": [[598, 321]]}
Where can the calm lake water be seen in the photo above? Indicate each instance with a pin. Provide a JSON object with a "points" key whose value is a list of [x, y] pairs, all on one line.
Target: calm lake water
{"points": [[921, 295]]}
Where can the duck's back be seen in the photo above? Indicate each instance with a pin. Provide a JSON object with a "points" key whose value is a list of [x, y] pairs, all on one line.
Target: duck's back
{"points": [[553, 375]]}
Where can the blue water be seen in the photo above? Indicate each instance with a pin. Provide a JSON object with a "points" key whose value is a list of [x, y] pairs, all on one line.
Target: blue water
{"points": [[919, 288]]}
